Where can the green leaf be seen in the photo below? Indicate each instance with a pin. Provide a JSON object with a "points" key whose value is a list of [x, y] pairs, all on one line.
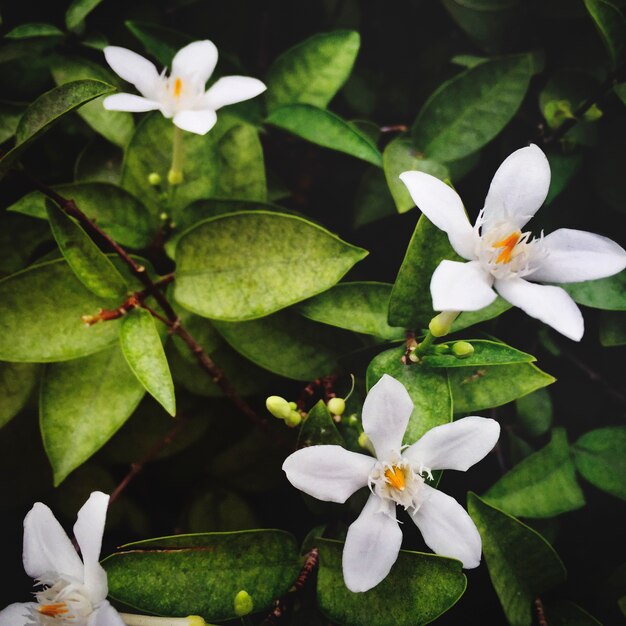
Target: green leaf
{"points": [[10, 113], [78, 11], [476, 388], [17, 381], [159, 41], [565, 613], [606, 293], [612, 328], [116, 126], [428, 388], [485, 353], [542, 485], [325, 129], [319, 429], [534, 413], [400, 155], [469, 110], [288, 345], [611, 25], [213, 280], [521, 562], [91, 266], [201, 574], [40, 316], [144, 354], [34, 29], [620, 91], [410, 305], [358, 306], [419, 588], [99, 162], [600, 456], [20, 238], [470, 318], [313, 71], [563, 168], [373, 201], [48, 109], [82, 404]]}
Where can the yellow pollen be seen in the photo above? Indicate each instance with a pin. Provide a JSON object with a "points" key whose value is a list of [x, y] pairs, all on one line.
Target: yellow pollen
{"points": [[507, 244], [395, 477], [178, 87], [53, 610]]}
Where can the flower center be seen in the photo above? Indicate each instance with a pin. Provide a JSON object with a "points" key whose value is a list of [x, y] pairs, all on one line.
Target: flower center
{"points": [[507, 245], [395, 477], [61, 604], [53, 610], [178, 88], [397, 480]]}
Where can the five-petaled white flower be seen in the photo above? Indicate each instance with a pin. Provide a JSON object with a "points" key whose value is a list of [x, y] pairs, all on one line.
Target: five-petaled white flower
{"points": [[502, 256], [181, 95], [72, 591], [396, 476]]}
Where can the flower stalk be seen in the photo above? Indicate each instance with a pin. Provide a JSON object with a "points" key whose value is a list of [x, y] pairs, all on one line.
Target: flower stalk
{"points": [[152, 620], [175, 175]]}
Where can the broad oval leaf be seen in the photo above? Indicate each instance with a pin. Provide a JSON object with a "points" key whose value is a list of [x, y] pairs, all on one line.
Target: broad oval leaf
{"points": [[428, 388], [542, 485], [82, 404], [10, 113], [202, 573], [469, 110], [485, 353], [313, 71], [534, 412], [142, 348], [611, 25], [325, 129], [521, 562], [613, 328], [246, 265], [418, 589], [607, 293], [17, 381]]}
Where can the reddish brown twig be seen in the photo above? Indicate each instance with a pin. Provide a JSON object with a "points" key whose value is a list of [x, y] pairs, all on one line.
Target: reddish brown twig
{"points": [[541, 616]]}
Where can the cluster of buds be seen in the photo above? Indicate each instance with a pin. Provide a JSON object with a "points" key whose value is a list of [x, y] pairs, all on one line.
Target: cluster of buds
{"points": [[284, 410]]}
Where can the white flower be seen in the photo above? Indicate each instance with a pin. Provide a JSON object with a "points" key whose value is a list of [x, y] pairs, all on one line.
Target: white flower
{"points": [[396, 476], [181, 95], [73, 592], [500, 255]]}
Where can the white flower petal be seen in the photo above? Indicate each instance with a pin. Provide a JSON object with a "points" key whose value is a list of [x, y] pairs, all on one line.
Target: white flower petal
{"points": [[105, 615], [518, 188], [198, 122], [134, 69], [48, 551], [88, 531], [329, 473], [576, 255], [458, 286], [232, 89], [385, 415], [447, 528], [457, 445], [197, 58], [552, 305], [17, 614], [372, 545], [444, 208], [129, 102]]}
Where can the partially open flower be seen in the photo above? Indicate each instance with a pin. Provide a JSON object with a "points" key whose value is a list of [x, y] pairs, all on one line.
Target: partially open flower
{"points": [[397, 475], [181, 95]]}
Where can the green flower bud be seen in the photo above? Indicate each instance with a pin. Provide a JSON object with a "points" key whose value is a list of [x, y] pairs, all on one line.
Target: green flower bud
{"points": [[174, 177], [462, 349], [441, 348], [353, 420], [243, 603], [154, 179], [337, 406], [365, 443], [293, 406], [293, 419], [278, 407], [556, 112]]}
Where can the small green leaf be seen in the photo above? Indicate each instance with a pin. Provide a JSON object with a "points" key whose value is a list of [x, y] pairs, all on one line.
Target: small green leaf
{"points": [[82, 404], [201, 574], [213, 280], [325, 129], [319, 429], [600, 456], [144, 353], [542, 485], [521, 562], [91, 266], [469, 110], [565, 613], [48, 109], [159, 41], [485, 353], [313, 71], [611, 25], [606, 293], [78, 11], [613, 328], [34, 29], [17, 380], [534, 412], [470, 318], [10, 113], [419, 588], [359, 306], [620, 90], [410, 305], [428, 388], [476, 388], [400, 155]]}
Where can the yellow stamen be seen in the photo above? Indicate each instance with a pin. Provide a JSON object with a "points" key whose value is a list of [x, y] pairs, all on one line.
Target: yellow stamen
{"points": [[507, 244], [178, 87], [395, 477], [53, 610]]}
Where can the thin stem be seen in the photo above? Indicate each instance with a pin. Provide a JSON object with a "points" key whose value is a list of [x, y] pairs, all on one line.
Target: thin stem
{"points": [[175, 175], [131, 619], [424, 345]]}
